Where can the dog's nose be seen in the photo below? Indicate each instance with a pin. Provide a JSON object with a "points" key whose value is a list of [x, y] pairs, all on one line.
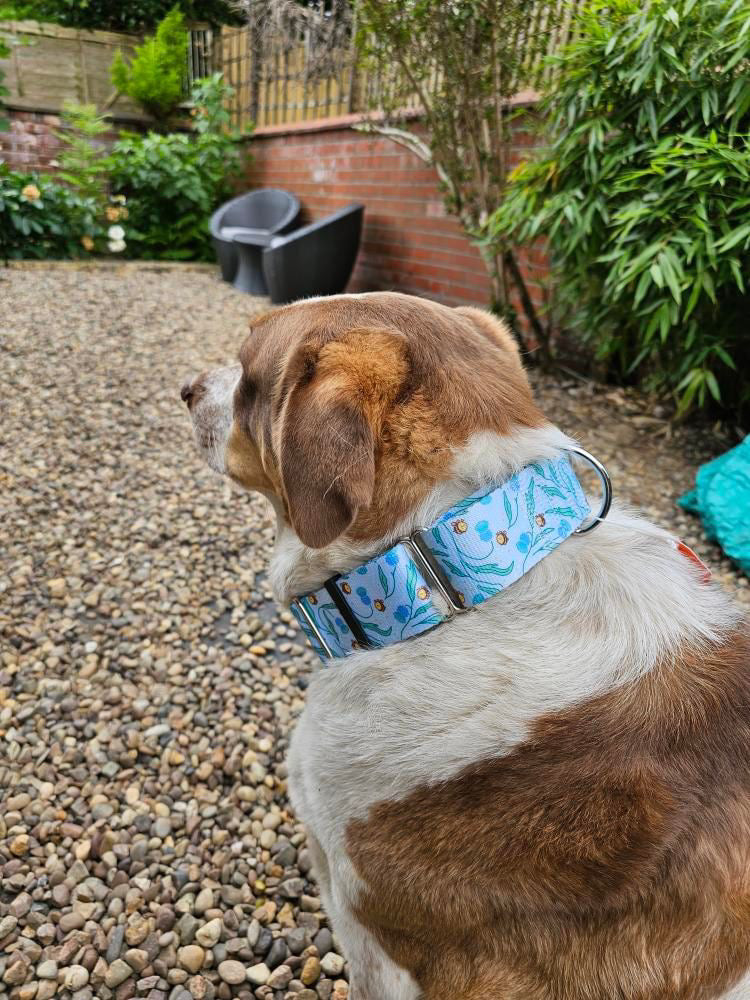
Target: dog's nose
{"points": [[186, 392]]}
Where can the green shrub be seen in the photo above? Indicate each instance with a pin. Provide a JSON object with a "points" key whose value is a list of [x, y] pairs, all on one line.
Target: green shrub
{"points": [[174, 182], [156, 76], [643, 194], [83, 157], [44, 220]]}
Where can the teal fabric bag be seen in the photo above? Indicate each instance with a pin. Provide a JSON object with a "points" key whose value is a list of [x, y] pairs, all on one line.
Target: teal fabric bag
{"points": [[722, 499]]}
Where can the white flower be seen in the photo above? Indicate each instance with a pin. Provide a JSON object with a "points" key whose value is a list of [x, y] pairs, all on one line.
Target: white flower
{"points": [[116, 246], [116, 233]]}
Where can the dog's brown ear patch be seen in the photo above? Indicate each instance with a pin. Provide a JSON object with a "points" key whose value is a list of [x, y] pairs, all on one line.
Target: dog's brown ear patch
{"points": [[335, 396]]}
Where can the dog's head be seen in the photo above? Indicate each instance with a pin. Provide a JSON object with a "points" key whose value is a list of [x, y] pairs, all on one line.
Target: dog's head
{"points": [[348, 410]]}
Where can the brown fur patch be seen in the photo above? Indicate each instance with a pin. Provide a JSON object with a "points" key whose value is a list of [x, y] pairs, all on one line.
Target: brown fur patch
{"points": [[609, 856], [406, 378]]}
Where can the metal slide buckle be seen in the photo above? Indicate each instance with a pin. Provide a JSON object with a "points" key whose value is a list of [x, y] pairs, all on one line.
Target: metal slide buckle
{"points": [[606, 489], [425, 560], [313, 627]]}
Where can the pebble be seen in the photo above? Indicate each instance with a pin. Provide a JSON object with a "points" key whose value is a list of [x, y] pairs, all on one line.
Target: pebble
{"points": [[280, 977], [209, 933], [47, 969], [191, 957], [259, 974], [332, 964], [310, 971], [232, 972], [76, 976], [117, 973]]}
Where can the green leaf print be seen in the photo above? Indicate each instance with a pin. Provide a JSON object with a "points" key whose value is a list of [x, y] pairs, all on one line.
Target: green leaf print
{"points": [[411, 581], [530, 501], [492, 569]]}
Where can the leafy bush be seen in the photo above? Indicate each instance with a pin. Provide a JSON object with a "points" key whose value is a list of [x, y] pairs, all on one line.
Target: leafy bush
{"points": [[44, 220], [132, 15], [156, 76], [83, 157], [174, 182], [644, 192]]}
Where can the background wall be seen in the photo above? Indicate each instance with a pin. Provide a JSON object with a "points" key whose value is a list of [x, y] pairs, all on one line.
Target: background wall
{"points": [[410, 243]]}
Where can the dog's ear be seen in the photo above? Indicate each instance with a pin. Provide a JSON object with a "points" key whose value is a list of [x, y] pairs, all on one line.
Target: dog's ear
{"points": [[336, 394]]}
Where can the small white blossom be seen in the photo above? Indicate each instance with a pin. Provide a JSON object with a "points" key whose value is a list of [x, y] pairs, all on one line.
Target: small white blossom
{"points": [[116, 246], [116, 233]]}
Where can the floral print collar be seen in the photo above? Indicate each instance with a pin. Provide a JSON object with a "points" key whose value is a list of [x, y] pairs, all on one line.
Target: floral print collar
{"points": [[474, 551]]}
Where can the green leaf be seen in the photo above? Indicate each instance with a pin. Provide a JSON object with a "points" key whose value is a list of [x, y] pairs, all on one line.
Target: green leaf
{"points": [[530, 500], [713, 385], [508, 509], [411, 581], [492, 569], [378, 629]]}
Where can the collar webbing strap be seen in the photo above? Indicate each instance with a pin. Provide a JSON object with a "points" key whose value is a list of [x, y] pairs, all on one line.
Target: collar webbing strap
{"points": [[475, 550]]}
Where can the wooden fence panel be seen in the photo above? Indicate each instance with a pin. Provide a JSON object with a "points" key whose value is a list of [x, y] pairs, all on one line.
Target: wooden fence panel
{"points": [[280, 79], [49, 65]]}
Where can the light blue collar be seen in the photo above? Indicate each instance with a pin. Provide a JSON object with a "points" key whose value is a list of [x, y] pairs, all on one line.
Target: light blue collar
{"points": [[475, 550]]}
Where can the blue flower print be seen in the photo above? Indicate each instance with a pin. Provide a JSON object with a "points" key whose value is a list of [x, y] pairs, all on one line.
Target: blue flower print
{"points": [[524, 542], [483, 530], [563, 529], [342, 625], [362, 570], [486, 499], [514, 483], [364, 596], [401, 613], [392, 558], [478, 598]]}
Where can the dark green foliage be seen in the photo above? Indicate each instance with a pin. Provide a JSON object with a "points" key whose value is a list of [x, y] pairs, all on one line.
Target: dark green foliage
{"points": [[156, 76], [118, 15], [18, 11], [43, 220], [174, 182], [644, 193], [4, 53]]}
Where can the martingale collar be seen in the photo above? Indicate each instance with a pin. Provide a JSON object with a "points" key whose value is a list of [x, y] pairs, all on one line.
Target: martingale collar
{"points": [[474, 551]]}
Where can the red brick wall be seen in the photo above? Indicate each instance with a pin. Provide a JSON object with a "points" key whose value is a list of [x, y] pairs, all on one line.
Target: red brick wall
{"points": [[30, 143], [410, 243]]}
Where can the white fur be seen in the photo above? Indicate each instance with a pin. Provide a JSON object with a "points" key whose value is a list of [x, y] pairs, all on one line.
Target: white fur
{"points": [[741, 991], [213, 414]]}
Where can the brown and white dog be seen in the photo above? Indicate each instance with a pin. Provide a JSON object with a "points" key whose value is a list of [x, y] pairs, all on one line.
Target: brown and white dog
{"points": [[548, 797]]}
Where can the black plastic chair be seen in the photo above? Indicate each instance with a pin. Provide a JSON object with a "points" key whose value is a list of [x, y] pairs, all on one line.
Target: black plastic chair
{"points": [[269, 211], [315, 260]]}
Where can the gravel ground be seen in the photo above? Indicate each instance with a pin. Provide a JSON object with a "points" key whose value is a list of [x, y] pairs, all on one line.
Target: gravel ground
{"points": [[148, 684]]}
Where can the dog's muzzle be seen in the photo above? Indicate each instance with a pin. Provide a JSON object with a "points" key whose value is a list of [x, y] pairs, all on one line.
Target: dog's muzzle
{"points": [[210, 400]]}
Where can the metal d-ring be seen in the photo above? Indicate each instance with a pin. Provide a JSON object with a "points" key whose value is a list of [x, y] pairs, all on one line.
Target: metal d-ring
{"points": [[606, 489], [297, 602]]}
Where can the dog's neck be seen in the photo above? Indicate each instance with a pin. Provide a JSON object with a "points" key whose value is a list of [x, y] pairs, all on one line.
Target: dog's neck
{"points": [[487, 459], [626, 564]]}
